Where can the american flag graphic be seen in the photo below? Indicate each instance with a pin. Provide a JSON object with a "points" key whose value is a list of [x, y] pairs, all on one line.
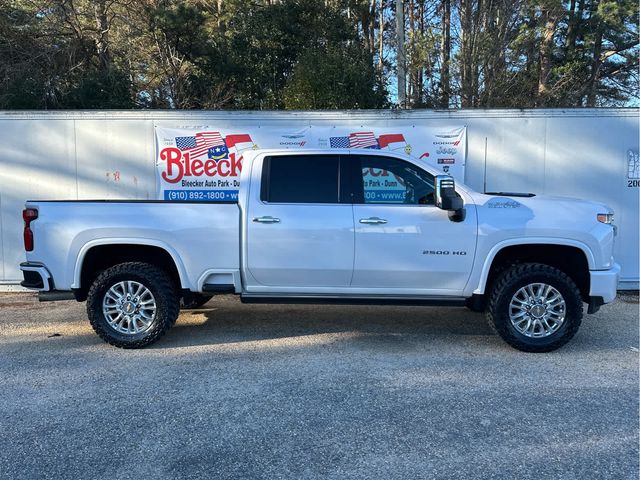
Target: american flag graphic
{"points": [[355, 140], [339, 142], [363, 140], [200, 143]]}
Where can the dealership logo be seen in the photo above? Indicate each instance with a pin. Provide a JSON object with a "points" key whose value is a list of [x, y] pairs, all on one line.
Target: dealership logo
{"points": [[447, 151], [179, 164], [446, 161], [448, 135], [207, 154]]}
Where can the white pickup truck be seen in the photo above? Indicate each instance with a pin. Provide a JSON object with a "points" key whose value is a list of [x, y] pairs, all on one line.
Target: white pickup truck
{"points": [[339, 226]]}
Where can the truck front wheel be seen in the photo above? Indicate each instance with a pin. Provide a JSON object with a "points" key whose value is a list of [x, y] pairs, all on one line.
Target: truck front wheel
{"points": [[131, 305], [535, 307]]}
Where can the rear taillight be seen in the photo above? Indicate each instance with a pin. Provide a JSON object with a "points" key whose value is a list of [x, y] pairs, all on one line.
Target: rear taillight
{"points": [[28, 215]]}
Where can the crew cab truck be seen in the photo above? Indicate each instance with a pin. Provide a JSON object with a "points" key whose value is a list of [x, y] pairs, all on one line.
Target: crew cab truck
{"points": [[338, 226]]}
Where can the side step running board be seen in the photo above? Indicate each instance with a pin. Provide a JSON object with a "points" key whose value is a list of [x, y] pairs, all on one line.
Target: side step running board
{"points": [[218, 288], [56, 295], [352, 300]]}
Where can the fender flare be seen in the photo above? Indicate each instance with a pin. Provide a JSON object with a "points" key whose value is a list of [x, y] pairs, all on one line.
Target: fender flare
{"points": [[182, 273], [482, 283]]}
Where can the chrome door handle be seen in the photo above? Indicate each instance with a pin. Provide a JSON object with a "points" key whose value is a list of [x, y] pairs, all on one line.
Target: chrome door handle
{"points": [[266, 219], [373, 221]]}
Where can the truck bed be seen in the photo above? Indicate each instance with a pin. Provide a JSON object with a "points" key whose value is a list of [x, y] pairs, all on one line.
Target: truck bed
{"points": [[199, 236]]}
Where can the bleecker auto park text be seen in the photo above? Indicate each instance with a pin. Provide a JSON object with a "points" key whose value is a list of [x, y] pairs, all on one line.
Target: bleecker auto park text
{"points": [[210, 183], [180, 164]]}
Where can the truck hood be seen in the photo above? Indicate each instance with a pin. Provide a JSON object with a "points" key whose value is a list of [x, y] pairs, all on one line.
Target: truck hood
{"points": [[550, 206]]}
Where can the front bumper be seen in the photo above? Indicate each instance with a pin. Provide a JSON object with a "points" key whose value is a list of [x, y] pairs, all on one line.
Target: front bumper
{"points": [[36, 276], [604, 283]]}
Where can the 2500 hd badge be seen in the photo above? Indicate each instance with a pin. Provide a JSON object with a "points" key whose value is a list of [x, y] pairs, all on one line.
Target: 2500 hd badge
{"points": [[443, 252]]}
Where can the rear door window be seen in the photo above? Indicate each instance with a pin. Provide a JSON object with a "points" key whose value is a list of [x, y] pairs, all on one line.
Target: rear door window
{"points": [[301, 179]]}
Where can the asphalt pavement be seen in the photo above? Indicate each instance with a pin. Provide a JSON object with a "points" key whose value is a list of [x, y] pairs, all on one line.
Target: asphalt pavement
{"points": [[305, 392]]}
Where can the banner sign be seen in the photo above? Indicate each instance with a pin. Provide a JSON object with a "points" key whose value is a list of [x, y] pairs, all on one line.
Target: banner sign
{"points": [[204, 163]]}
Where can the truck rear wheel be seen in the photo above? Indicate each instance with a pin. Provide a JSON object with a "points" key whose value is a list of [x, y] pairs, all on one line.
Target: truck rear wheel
{"points": [[535, 307], [131, 305]]}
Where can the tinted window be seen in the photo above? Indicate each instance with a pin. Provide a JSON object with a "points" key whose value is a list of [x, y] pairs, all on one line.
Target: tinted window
{"points": [[392, 181], [301, 179]]}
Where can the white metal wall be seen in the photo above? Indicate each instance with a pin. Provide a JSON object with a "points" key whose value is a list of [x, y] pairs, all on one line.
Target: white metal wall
{"points": [[81, 155]]}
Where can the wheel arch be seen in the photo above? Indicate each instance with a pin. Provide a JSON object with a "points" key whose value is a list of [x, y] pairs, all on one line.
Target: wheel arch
{"points": [[572, 257], [112, 251]]}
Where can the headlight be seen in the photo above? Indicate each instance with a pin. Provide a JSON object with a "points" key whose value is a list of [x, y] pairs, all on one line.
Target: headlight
{"points": [[605, 218]]}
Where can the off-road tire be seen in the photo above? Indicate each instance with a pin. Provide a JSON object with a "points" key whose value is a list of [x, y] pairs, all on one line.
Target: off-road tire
{"points": [[509, 282], [194, 300], [160, 285]]}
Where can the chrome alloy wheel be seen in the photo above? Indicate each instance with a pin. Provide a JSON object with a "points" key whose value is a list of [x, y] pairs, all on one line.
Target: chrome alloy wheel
{"points": [[537, 310], [129, 307]]}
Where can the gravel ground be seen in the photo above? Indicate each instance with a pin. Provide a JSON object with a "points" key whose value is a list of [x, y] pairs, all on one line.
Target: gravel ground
{"points": [[269, 392]]}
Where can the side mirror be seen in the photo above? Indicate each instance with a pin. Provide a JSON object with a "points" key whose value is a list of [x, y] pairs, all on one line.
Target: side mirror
{"points": [[446, 196], [448, 199]]}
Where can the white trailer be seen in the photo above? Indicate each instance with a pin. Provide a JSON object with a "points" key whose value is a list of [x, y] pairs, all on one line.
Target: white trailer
{"points": [[584, 153]]}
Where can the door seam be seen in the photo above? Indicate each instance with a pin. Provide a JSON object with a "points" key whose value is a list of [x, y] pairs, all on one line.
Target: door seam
{"points": [[353, 228]]}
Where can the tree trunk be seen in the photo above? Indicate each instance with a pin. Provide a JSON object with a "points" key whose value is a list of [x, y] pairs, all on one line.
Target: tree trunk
{"points": [[575, 21], [469, 26], [571, 25], [446, 53], [365, 23], [595, 68], [531, 61], [372, 28], [402, 76], [550, 19], [496, 69], [421, 68], [489, 57], [475, 53], [220, 22], [466, 45], [414, 92], [102, 34], [381, 39]]}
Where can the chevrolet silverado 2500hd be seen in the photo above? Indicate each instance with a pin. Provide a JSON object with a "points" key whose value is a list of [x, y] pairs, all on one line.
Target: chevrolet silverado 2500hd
{"points": [[339, 226]]}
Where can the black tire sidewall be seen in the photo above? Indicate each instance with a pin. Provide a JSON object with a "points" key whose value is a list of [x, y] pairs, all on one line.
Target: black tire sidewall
{"points": [[152, 278], [560, 282]]}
